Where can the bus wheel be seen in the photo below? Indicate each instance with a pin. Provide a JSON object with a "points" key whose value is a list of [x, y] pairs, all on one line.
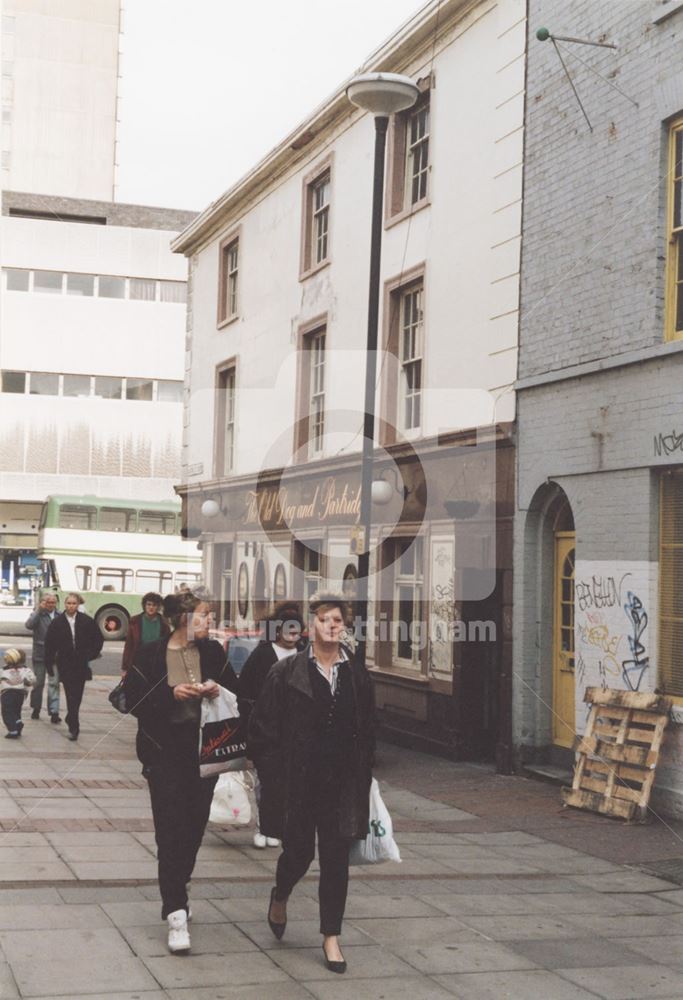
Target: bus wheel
{"points": [[112, 622]]}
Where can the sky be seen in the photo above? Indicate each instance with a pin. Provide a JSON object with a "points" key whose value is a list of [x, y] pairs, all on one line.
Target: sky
{"points": [[208, 87]]}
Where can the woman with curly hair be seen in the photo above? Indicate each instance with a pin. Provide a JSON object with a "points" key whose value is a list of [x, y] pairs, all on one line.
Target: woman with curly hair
{"points": [[165, 686]]}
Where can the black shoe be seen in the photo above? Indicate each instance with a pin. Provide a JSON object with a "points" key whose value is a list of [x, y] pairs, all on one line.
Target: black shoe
{"points": [[20, 726], [73, 736], [35, 714], [334, 966], [277, 929], [12, 736], [55, 719]]}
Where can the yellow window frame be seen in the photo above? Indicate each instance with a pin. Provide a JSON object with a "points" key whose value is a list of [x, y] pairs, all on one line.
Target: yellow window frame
{"points": [[670, 552], [674, 286]]}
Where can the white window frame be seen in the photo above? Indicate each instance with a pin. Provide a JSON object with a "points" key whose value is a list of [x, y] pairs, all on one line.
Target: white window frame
{"points": [[411, 345]]}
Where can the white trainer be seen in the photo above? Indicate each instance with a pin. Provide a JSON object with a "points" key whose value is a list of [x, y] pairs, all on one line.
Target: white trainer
{"points": [[178, 933], [272, 842], [259, 840]]}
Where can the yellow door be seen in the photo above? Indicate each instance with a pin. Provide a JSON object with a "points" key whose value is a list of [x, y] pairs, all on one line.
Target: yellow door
{"points": [[563, 640]]}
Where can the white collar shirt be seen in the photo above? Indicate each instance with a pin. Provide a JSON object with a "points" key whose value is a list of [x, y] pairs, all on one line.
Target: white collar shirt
{"points": [[72, 625], [333, 675]]}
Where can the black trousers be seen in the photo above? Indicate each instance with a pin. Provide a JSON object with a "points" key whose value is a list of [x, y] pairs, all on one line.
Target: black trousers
{"points": [[298, 850], [73, 689], [10, 704], [181, 802]]}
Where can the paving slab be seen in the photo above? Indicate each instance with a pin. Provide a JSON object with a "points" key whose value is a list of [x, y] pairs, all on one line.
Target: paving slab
{"points": [[580, 952], [142, 914], [532, 985], [47, 871], [632, 982], [73, 962], [602, 903], [524, 926], [412, 930], [42, 894], [150, 940], [8, 986], [390, 906], [622, 881], [34, 916], [639, 925], [89, 870], [299, 934], [282, 991], [254, 910], [405, 988], [666, 950], [363, 962], [465, 956], [195, 971], [98, 894]]}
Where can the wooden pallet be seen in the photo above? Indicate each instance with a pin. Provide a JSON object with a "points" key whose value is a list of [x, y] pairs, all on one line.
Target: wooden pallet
{"points": [[618, 753]]}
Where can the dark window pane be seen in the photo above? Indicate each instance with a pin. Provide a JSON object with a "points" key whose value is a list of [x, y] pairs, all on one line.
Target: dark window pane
{"points": [[111, 287], [44, 384], [80, 284], [76, 385], [47, 281], [77, 517], [156, 522], [138, 388], [108, 386], [13, 381], [17, 281], [115, 519]]}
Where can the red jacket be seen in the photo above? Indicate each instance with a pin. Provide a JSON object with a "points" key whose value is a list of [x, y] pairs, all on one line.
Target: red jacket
{"points": [[134, 640]]}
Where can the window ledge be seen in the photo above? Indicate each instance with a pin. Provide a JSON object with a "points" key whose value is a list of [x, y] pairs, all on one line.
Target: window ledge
{"points": [[227, 321], [405, 213], [394, 673], [309, 272], [665, 11]]}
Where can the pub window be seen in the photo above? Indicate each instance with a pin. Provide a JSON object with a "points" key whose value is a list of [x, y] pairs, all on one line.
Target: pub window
{"points": [[671, 585], [674, 299], [407, 604]]}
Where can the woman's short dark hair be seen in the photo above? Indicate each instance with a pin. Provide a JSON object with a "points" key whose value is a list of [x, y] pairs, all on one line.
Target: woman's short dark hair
{"points": [[282, 613], [325, 599], [176, 606], [152, 598]]}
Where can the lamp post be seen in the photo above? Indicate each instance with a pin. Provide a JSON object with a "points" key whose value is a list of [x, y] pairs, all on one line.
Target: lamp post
{"points": [[382, 94]]}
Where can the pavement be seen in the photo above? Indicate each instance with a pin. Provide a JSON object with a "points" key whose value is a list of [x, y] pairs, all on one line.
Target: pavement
{"points": [[502, 893]]}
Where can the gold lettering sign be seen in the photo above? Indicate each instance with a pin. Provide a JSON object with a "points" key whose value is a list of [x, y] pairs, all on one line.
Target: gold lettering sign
{"points": [[281, 508]]}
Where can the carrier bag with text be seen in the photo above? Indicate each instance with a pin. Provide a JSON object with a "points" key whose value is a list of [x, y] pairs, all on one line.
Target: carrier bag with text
{"points": [[379, 845], [222, 737]]}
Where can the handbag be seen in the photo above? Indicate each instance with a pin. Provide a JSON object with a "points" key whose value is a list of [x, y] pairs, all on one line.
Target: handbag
{"points": [[230, 805], [379, 845], [222, 736], [117, 698]]}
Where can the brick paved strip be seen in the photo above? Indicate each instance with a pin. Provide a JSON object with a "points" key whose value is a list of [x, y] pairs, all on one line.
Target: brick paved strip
{"points": [[69, 783], [30, 825]]}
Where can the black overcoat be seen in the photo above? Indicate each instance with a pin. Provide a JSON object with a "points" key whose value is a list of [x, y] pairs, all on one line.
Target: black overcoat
{"points": [[151, 697], [72, 657], [253, 676], [285, 730]]}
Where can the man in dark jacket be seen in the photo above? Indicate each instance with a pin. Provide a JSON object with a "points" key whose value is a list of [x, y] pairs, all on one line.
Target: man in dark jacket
{"points": [[72, 640], [311, 736], [39, 622]]}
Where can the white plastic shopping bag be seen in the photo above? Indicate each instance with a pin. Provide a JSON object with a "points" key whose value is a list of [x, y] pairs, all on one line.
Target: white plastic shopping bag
{"points": [[230, 805], [379, 845], [222, 737]]}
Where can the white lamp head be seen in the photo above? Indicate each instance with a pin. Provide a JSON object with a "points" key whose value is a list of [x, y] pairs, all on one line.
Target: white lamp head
{"points": [[382, 93], [381, 491], [210, 508]]}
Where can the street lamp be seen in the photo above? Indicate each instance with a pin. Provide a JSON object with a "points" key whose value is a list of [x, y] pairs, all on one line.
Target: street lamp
{"points": [[382, 94]]}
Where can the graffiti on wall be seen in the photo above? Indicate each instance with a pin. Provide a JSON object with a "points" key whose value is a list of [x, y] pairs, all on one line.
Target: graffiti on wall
{"points": [[614, 606], [668, 444]]}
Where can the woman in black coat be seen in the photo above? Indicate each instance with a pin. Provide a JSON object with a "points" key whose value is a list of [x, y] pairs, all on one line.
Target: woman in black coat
{"points": [[283, 634], [71, 641], [311, 736], [165, 686]]}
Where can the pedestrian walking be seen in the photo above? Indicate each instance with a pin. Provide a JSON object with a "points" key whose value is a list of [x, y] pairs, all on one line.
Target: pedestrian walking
{"points": [[72, 640], [146, 627], [39, 622], [165, 686], [283, 635], [16, 680], [311, 736]]}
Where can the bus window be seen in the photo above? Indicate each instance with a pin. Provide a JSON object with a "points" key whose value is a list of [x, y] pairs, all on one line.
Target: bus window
{"points": [[83, 577], [119, 580], [186, 579], [157, 522], [72, 516], [159, 580], [116, 519]]}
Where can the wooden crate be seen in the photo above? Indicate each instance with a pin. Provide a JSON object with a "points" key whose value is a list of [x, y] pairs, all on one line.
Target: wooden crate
{"points": [[618, 753]]}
